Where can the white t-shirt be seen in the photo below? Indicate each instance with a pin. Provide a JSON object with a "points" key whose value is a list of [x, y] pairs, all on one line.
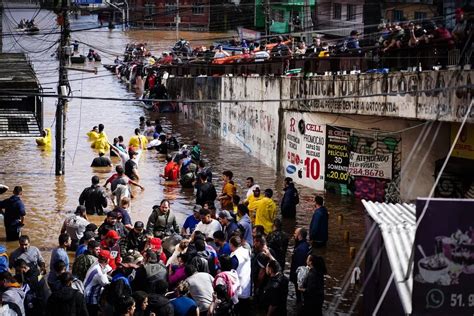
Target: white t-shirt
{"points": [[221, 54], [244, 271], [75, 226], [208, 229], [155, 142]]}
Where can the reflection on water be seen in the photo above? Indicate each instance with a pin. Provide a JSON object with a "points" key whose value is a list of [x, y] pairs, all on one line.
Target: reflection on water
{"points": [[49, 198]]}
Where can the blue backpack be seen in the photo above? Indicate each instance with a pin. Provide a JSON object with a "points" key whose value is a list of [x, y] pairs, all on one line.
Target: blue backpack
{"points": [[3, 259]]}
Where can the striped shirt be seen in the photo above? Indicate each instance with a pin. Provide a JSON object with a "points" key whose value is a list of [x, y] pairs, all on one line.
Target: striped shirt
{"points": [[95, 279]]}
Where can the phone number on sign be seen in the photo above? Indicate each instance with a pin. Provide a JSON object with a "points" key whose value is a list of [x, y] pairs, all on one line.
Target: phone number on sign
{"points": [[366, 172], [458, 300]]}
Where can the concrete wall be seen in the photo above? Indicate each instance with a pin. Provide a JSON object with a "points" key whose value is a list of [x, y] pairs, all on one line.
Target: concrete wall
{"points": [[386, 123], [253, 126]]}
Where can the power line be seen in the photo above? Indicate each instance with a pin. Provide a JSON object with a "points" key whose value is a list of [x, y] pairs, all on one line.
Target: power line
{"points": [[13, 92]]}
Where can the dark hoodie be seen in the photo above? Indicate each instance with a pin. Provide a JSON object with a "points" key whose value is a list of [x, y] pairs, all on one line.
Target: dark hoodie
{"points": [[289, 201], [66, 301], [318, 229], [160, 305]]}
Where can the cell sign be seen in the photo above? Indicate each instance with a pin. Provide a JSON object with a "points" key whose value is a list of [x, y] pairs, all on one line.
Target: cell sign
{"points": [[337, 154], [305, 148]]}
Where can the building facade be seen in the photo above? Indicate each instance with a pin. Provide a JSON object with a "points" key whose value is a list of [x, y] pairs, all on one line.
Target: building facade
{"points": [[339, 17], [194, 14], [282, 16], [409, 10]]}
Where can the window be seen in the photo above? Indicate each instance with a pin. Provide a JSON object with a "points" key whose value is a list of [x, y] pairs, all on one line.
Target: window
{"points": [[278, 15], [170, 8], [198, 8], [351, 12], [337, 9], [421, 15], [149, 11], [397, 15]]}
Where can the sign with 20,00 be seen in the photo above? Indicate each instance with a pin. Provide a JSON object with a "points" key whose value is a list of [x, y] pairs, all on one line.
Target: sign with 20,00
{"points": [[337, 154]]}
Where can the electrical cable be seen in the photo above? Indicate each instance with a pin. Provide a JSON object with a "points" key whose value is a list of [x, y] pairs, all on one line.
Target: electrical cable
{"points": [[13, 92]]}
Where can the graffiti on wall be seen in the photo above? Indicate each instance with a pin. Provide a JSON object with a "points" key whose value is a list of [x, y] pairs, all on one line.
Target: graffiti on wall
{"points": [[371, 188], [253, 129]]}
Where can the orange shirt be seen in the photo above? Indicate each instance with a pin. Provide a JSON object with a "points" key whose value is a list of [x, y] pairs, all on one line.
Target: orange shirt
{"points": [[229, 190]]}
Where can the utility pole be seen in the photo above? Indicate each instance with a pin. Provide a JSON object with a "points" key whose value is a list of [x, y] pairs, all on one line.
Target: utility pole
{"points": [[1, 25], [307, 22], [267, 17], [63, 86], [178, 20]]}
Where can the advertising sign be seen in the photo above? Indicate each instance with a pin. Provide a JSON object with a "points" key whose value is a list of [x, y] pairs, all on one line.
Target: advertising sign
{"points": [[465, 145], [248, 34], [305, 151], [373, 166], [443, 272], [337, 154]]}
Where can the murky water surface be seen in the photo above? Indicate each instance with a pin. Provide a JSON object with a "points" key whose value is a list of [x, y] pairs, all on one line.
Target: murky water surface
{"points": [[49, 198]]}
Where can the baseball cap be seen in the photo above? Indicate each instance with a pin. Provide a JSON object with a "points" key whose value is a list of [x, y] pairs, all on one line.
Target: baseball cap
{"points": [[139, 225], [355, 32], [155, 243], [112, 234], [256, 187], [105, 254], [225, 214]]}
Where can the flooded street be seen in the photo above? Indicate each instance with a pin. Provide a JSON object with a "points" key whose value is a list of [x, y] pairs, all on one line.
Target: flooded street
{"points": [[49, 198]]}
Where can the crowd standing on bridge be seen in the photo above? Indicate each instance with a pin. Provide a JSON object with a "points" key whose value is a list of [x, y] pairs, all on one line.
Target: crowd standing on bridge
{"points": [[227, 258]]}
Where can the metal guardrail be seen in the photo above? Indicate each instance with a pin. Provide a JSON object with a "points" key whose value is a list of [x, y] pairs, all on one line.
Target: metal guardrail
{"points": [[401, 59]]}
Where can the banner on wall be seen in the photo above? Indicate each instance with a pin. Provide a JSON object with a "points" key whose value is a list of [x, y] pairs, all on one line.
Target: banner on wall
{"points": [[465, 145], [443, 271], [337, 154], [305, 151], [373, 166]]}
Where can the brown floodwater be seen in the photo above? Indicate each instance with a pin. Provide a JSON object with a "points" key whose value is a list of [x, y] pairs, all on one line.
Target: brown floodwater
{"points": [[49, 198]]}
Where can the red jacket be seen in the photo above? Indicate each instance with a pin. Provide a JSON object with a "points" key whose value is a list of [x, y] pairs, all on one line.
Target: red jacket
{"points": [[171, 171]]}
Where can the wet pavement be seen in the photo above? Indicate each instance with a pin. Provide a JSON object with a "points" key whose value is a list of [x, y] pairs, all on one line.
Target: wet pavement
{"points": [[49, 198]]}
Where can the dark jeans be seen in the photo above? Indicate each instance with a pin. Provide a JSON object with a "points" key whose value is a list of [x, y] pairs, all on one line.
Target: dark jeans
{"points": [[74, 245], [243, 307], [12, 233], [93, 309], [313, 306], [298, 293]]}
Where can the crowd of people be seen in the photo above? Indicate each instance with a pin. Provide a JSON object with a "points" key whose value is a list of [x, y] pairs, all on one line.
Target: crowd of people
{"points": [[425, 41], [227, 258]]}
